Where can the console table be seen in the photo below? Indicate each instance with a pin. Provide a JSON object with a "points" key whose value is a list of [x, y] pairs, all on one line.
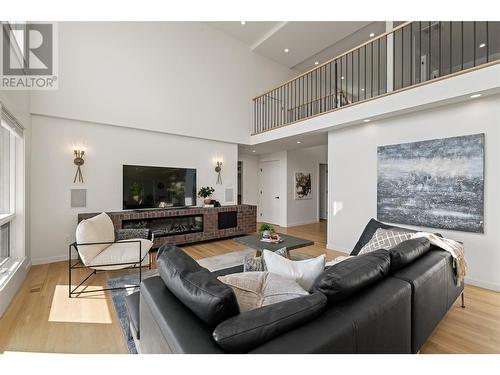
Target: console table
{"points": [[187, 225]]}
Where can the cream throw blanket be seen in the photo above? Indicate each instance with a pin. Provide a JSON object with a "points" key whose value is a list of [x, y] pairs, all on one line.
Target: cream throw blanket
{"points": [[456, 249]]}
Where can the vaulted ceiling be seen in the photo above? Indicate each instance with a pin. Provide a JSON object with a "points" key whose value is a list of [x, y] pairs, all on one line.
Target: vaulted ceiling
{"points": [[305, 42]]}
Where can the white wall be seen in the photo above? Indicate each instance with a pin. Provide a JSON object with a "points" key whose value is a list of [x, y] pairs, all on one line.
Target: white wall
{"points": [[183, 78], [250, 179], [53, 222], [304, 211], [353, 176]]}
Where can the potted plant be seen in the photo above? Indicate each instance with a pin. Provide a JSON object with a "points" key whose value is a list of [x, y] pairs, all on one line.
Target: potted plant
{"points": [[135, 191], [266, 230], [206, 193]]}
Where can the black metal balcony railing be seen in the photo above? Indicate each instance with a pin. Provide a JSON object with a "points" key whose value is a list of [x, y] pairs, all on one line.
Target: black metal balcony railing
{"points": [[411, 54]]}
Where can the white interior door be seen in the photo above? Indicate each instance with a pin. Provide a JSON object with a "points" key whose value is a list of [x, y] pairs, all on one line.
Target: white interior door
{"points": [[270, 191], [323, 191]]}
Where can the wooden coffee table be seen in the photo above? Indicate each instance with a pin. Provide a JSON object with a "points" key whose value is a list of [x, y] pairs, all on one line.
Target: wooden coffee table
{"points": [[253, 241]]}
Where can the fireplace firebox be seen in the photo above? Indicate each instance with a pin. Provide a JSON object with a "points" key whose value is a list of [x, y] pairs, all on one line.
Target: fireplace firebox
{"points": [[168, 226]]}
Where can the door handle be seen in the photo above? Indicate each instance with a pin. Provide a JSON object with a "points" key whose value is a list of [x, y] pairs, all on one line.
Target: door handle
{"points": [[276, 197]]}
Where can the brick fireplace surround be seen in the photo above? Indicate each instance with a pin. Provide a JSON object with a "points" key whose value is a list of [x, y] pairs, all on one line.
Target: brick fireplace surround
{"points": [[246, 222]]}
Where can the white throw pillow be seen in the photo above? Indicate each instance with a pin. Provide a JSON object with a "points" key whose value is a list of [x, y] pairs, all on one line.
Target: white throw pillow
{"points": [[304, 272], [96, 229]]}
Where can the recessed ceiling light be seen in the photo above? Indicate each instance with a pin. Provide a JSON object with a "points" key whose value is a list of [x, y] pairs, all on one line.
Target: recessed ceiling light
{"points": [[253, 151], [475, 96], [243, 22], [286, 50], [362, 89], [482, 45], [316, 63], [299, 142], [372, 35], [366, 120], [342, 77]]}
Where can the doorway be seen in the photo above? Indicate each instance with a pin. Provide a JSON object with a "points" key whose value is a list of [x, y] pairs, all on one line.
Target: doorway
{"points": [[323, 191], [270, 191]]}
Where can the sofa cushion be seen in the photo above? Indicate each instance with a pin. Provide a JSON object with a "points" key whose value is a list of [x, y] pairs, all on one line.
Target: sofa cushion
{"points": [[369, 231], [407, 252], [196, 287], [122, 253], [352, 275], [96, 229], [250, 329], [304, 272], [257, 289]]}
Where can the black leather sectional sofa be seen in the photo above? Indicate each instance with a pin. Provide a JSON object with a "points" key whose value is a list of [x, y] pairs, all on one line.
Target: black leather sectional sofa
{"points": [[389, 302]]}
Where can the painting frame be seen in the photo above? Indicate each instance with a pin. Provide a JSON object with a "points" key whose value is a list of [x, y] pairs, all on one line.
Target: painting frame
{"points": [[437, 183], [302, 185]]}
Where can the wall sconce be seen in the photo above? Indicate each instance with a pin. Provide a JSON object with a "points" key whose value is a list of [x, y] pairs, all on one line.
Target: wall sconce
{"points": [[78, 162], [218, 169]]}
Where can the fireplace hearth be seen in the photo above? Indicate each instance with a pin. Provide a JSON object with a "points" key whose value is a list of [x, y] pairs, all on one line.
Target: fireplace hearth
{"points": [[186, 225]]}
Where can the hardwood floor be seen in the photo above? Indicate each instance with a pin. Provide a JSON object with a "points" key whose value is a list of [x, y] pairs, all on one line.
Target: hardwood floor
{"points": [[41, 318]]}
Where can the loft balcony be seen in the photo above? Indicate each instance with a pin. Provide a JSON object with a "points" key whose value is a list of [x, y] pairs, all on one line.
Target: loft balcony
{"points": [[411, 55]]}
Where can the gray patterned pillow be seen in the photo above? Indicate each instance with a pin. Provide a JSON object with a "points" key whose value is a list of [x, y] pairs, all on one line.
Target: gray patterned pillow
{"points": [[257, 289], [252, 263], [385, 239], [131, 233]]}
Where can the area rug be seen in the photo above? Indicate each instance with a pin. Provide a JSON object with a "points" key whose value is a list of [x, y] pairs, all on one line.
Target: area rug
{"points": [[213, 263]]}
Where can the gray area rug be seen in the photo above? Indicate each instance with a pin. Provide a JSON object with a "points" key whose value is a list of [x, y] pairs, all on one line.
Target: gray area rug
{"points": [[213, 263]]}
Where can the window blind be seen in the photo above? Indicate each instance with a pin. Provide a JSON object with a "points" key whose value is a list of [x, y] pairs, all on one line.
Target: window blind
{"points": [[9, 121]]}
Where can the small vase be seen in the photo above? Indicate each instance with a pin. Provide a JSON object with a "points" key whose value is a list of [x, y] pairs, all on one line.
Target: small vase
{"points": [[207, 200]]}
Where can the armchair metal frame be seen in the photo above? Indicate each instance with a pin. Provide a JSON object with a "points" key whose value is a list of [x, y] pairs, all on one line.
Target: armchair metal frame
{"points": [[79, 264]]}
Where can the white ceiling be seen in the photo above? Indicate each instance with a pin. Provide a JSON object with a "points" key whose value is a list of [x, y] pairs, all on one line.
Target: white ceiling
{"points": [[289, 143], [307, 41]]}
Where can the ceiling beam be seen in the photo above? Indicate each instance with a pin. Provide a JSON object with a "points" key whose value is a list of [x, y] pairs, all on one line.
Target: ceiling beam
{"points": [[267, 35]]}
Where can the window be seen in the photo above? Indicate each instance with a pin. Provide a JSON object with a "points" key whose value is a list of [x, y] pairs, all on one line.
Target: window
{"points": [[11, 188]]}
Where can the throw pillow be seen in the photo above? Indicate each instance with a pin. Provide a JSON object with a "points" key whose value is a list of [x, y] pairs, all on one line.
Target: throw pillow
{"points": [[385, 239], [257, 289], [252, 263], [304, 272]]}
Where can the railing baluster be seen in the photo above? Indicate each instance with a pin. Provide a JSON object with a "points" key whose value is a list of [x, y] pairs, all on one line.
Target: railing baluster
{"points": [[439, 71], [487, 43], [462, 41], [474, 38], [429, 63]]}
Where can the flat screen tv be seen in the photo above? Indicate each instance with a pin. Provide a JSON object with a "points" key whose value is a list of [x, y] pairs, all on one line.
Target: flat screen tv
{"points": [[158, 187]]}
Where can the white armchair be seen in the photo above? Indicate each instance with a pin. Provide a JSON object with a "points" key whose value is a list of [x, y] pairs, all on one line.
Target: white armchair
{"points": [[99, 250]]}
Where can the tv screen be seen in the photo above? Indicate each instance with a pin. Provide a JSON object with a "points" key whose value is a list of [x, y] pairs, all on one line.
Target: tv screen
{"points": [[158, 187]]}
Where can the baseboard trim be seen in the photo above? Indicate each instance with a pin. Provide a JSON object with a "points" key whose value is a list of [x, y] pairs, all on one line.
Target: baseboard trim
{"points": [[482, 284], [53, 259], [296, 223], [332, 246]]}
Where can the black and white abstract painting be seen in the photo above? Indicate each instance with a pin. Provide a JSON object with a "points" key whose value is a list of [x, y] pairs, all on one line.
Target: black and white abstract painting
{"points": [[436, 184]]}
